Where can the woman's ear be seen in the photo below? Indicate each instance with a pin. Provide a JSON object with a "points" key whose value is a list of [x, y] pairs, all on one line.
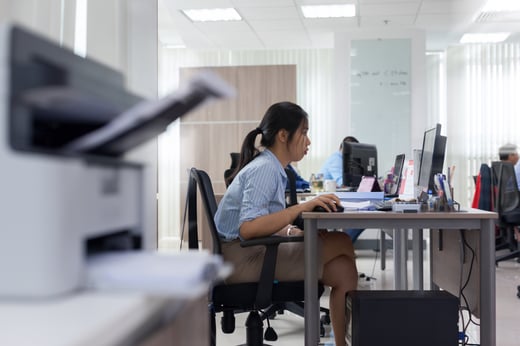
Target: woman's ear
{"points": [[283, 136]]}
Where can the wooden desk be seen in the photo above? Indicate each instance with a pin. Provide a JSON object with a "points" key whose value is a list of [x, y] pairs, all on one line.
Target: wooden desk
{"points": [[473, 219]]}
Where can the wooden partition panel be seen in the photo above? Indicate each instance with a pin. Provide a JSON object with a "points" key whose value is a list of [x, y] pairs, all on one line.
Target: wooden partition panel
{"points": [[209, 134]]}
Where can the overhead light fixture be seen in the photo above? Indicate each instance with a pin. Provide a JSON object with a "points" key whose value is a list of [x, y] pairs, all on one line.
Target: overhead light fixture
{"points": [[501, 6], [212, 14], [485, 37], [329, 11], [174, 46]]}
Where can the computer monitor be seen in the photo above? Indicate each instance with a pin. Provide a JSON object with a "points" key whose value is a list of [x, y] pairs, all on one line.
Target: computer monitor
{"points": [[432, 158], [359, 159]]}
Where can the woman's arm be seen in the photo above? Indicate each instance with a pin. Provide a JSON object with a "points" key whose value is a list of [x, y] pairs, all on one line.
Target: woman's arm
{"points": [[270, 224]]}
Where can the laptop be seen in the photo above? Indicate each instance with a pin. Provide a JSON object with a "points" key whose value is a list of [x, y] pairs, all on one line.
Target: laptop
{"points": [[398, 172]]}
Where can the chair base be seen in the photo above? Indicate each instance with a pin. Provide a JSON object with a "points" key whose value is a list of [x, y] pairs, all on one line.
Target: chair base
{"points": [[296, 308], [514, 254], [254, 329]]}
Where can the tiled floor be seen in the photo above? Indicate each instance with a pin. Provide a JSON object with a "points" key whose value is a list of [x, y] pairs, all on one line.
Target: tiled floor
{"points": [[290, 328]]}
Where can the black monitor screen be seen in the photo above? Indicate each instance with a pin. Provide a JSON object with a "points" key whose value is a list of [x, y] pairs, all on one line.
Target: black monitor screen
{"points": [[432, 158], [397, 173], [359, 160]]}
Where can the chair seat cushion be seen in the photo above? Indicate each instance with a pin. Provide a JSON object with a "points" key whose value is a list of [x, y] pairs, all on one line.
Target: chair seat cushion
{"points": [[243, 295], [511, 217]]}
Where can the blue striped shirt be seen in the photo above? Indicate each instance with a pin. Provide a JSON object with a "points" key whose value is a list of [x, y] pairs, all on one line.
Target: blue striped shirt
{"points": [[257, 190]]}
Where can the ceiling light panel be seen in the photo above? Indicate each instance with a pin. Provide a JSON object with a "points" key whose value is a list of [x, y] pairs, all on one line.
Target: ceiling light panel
{"points": [[485, 37], [270, 13], [329, 11], [501, 6], [212, 14]]}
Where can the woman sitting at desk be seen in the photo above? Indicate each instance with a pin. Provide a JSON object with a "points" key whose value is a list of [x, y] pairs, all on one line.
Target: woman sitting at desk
{"points": [[254, 206]]}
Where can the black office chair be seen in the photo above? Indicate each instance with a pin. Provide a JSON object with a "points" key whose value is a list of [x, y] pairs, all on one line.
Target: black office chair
{"points": [[488, 187], [507, 205], [296, 307], [249, 297]]}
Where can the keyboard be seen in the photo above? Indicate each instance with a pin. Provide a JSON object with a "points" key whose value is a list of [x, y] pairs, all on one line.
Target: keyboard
{"points": [[383, 205]]}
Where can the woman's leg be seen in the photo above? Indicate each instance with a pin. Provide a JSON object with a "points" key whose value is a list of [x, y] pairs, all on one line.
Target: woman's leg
{"points": [[340, 273]]}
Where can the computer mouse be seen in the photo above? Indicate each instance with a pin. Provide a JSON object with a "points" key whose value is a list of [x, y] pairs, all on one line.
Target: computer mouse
{"points": [[320, 209]]}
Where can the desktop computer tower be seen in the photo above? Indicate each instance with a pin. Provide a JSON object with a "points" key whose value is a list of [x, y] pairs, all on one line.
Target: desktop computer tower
{"points": [[402, 318]]}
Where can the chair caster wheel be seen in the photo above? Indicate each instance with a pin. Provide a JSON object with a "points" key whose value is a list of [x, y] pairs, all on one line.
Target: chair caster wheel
{"points": [[325, 319], [270, 334]]}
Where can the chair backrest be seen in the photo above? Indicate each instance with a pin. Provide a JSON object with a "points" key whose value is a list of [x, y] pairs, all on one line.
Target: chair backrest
{"points": [[235, 157], [485, 201], [199, 178], [291, 178], [507, 194]]}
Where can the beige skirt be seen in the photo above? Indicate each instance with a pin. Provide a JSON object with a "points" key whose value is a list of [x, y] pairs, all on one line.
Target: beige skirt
{"points": [[247, 262]]}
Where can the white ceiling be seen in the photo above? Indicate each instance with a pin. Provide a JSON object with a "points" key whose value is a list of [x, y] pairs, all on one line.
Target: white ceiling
{"points": [[275, 24]]}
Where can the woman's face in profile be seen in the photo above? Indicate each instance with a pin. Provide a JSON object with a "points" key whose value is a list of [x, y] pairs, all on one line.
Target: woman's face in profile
{"points": [[299, 144]]}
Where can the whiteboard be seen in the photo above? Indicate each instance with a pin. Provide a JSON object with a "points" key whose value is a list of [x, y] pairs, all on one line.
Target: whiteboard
{"points": [[380, 97]]}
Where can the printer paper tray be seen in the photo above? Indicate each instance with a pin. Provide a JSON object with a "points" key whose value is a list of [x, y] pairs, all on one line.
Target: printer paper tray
{"points": [[149, 118]]}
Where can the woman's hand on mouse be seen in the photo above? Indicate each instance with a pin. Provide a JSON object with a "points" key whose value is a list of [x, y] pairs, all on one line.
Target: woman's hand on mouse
{"points": [[327, 201]]}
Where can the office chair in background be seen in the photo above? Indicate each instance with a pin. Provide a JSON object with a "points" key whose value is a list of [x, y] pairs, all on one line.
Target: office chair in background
{"points": [[485, 199], [507, 205], [235, 157], [249, 297]]}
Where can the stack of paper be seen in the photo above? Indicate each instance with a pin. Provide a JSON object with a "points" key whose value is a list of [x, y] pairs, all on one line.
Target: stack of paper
{"points": [[183, 274], [361, 205]]}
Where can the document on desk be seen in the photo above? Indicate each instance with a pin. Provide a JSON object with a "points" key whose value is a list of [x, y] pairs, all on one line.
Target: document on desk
{"points": [[360, 196], [181, 275], [362, 205]]}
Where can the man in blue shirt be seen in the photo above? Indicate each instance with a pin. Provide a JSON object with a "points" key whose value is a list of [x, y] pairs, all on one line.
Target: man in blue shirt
{"points": [[332, 169], [509, 152]]}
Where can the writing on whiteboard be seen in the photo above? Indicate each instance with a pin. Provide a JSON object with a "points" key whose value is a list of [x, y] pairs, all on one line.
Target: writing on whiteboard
{"points": [[383, 78]]}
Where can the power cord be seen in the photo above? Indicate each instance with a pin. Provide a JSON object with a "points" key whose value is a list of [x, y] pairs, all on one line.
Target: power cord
{"points": [[370, 277], [464, 244]]}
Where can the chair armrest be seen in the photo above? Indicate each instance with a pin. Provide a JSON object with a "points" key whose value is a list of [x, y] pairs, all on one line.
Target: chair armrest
{"points": [[269, 241], [265, 285]]}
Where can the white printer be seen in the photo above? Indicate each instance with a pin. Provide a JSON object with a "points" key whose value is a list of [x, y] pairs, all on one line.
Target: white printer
{"points": [[65, 191]]}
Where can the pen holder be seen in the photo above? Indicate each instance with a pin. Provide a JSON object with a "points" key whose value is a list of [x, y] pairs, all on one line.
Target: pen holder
{"points": [[439, 204], [443, 205]]}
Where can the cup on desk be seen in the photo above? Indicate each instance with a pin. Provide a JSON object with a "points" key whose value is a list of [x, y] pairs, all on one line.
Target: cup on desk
{"points": [[316, 182], [330, 185]]}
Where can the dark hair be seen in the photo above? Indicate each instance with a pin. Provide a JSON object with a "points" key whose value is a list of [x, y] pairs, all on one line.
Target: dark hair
{"points": [[279, 116], [350, 139]]}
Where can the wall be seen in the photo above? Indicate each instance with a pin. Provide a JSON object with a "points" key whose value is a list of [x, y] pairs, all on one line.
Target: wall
{"points": [[140, 61], [44, 17]]}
